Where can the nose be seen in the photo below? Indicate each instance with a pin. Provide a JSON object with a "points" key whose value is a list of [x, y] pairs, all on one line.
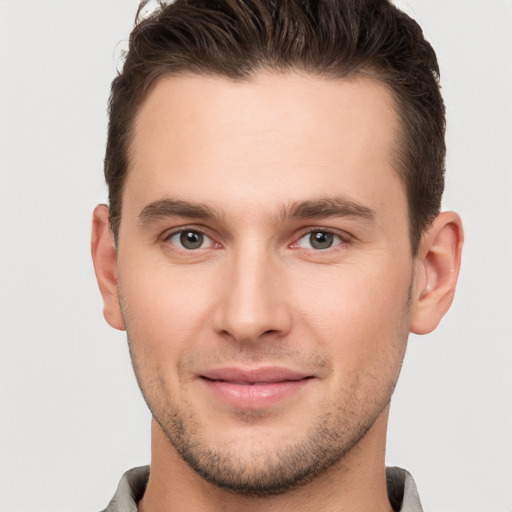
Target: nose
{"points": [[253, 303]]}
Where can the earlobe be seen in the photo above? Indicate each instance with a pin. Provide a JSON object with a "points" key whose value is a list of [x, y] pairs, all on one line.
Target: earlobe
{"points": [[105, 266], [438, 265]]}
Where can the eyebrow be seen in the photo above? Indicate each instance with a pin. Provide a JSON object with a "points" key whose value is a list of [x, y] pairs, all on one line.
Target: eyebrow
{"points": [[309, 209], [327, 207], [165, 208]]}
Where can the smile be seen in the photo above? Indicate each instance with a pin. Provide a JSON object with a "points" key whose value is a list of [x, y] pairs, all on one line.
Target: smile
{"points": [[254, 389]]}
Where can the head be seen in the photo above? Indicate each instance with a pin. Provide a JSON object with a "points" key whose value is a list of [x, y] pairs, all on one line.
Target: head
{"points": [[275, 171]]}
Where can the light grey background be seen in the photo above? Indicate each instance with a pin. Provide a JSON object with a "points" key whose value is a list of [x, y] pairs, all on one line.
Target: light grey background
{"points": [[72, 419]]}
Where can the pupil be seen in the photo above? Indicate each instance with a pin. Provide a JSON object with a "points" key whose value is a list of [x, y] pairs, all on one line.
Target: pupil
{"points": [[321, 240], [191, 239]]}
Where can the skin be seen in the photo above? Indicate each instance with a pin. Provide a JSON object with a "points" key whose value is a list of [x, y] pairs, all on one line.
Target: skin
{"points": [[269, 161]]}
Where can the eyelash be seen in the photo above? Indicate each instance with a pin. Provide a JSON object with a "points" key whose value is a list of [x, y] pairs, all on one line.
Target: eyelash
{"points": [[191, 229], [344, 238]]}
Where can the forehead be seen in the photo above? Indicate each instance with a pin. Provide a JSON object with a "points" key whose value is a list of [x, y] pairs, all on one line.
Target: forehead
{"points": [[276, 137]]}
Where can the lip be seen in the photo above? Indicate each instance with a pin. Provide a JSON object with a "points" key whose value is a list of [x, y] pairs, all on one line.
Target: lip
{"points": [[254, 388]]}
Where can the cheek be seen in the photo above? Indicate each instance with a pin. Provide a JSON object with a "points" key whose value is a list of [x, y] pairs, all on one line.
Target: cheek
{"points": [[165, 311], [164, 317], [358, 313]]}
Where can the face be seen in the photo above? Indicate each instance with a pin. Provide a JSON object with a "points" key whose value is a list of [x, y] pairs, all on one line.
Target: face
{"points": [[265, 271]]}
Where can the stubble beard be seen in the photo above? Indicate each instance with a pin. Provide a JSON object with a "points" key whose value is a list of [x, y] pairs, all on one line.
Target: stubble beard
{"points": [[335, 433], [265, 474]]}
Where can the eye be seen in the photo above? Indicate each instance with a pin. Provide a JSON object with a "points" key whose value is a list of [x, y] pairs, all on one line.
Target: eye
{"points": [[190, 239], [319, 240]]}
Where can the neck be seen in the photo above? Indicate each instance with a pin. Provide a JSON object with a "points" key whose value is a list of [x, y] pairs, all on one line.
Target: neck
{"points": [[357, 483]]}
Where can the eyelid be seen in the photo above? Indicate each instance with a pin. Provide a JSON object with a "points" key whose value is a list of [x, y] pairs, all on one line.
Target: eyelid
{"points": [[342, 235], [169, 233]]}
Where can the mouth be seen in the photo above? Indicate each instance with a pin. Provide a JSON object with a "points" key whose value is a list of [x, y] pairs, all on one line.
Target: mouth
{"points": [[254, 388]]}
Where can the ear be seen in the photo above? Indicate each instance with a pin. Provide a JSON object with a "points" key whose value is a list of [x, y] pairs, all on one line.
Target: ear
{"points": [[437, 270], [105, 266]]}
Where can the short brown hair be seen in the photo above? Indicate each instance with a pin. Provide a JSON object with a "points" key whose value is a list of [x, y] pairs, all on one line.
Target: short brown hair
{"points": [[330, 38]]}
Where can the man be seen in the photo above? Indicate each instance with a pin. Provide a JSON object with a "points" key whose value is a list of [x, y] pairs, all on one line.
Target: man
{"points": [[275, 173]]}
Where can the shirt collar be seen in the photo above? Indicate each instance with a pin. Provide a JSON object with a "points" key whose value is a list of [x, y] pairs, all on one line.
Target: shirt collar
{"points": [[402, 491]]}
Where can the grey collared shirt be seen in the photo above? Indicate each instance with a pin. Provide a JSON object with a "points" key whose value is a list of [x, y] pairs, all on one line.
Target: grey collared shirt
{"points": [[402, 491]]}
